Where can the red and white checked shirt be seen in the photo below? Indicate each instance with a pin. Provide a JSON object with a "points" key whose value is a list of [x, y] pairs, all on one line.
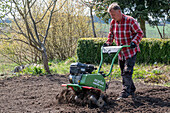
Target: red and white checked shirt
{"points": [[124, 33]]}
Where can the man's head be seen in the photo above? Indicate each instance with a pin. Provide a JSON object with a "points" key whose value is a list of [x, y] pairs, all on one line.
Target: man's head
{"points": [[115, 11]]}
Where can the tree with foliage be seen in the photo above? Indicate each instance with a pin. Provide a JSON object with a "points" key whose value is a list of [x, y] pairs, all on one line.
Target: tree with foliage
{"points": [[27, 23], [143, 10]]}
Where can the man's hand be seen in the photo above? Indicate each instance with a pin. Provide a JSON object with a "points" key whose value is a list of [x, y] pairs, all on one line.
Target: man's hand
{"points": [[133, 45], [105, 44]]}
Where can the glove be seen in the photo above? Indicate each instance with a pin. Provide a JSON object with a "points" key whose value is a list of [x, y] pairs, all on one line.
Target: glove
{"points": [[105, 44], [133, 45]]}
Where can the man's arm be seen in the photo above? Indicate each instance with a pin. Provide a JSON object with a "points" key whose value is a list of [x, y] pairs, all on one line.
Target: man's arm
{"points": [[110, 35], [137, 32]]}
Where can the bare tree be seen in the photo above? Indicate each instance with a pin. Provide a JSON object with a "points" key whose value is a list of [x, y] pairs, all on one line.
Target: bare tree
{"points": [[4, 8], [68, 25], [162, 35], [90, 4], [22, 12]]}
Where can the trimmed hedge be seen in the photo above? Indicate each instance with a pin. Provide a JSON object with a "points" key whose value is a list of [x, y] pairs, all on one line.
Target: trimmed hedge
{"points": [[152, 50], [89, 51]]}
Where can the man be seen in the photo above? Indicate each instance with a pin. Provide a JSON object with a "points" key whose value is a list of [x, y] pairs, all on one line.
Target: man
{"points": [[125, 31]]}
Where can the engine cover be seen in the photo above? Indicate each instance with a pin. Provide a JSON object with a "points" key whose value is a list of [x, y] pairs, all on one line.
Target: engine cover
{"points": [[93, 80], [80, 68]]}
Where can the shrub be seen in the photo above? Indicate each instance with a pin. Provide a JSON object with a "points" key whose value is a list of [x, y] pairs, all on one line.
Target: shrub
{"points": [[156, 79], [34, 70], [152, 50], [89, 50]]}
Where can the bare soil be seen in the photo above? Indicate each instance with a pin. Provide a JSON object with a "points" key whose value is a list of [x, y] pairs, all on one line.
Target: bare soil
{"points": [[32, 94]]}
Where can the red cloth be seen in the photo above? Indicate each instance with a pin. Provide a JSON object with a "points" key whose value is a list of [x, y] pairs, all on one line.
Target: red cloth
{"points": [[124, 33]]}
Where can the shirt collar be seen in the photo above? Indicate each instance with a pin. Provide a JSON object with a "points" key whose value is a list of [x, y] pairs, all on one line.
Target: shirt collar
{"points": [[123, 16]]}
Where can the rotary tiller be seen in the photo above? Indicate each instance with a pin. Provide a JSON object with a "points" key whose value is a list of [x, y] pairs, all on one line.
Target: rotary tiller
{"points": [[88, 87]]}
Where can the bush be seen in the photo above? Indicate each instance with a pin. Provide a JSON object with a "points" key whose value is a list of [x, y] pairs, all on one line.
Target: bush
{"points": [[34, 70], [89, 50], [156, 79], [152, 51]]}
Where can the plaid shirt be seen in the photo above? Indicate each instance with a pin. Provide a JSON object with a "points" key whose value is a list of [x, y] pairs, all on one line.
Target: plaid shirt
{"points": [[124, 33]]}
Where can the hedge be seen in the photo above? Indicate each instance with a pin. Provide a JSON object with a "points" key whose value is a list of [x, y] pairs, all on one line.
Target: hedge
{"points": [[152, 50]]}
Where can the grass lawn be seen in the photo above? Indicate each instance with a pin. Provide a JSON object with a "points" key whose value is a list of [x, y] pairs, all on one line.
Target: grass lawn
{"points": [[152, 32], [155, 73], [6, 66]]}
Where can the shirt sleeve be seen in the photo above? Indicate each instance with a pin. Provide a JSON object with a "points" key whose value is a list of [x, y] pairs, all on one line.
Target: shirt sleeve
{"points": [[136, 31], [110, 35]]}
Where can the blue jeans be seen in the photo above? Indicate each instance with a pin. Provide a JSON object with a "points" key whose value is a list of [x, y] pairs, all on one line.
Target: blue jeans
{"points": [[126, 67]]}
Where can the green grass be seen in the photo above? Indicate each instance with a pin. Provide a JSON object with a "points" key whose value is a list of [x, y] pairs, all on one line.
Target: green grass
{"points": [[6, 66], [152, 32], [156, 73]]}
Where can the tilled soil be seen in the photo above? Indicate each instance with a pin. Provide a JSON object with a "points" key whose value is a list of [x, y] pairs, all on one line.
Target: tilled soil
{"points": [[37, 95]]}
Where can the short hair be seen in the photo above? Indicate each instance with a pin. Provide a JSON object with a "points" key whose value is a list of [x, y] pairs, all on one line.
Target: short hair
{"points": [[114, 6]]}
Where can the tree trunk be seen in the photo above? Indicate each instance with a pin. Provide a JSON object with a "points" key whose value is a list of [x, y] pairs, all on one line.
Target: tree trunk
{"points": [[94, 33], [164, 21], [159, 31], [142, 26], [45, 60]]}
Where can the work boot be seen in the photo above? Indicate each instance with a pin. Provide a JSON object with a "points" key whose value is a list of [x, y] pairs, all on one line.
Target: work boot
{"points": [[132, 94], [123, 95]]}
